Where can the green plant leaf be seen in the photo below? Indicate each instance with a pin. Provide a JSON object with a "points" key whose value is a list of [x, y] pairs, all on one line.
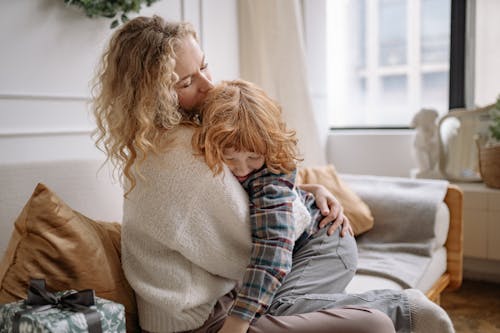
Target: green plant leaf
{"points": [[110, 8], [494, 126]]}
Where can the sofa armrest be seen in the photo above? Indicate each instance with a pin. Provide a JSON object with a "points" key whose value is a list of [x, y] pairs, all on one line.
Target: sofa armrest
{"points": [[454, 242]]}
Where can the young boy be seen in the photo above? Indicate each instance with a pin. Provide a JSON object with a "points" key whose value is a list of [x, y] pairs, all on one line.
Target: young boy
{"points": [[243, 129]]}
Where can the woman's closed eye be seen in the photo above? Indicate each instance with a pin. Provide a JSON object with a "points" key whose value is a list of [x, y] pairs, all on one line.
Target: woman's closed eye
{"points": [[189, 81], [185, 83]]}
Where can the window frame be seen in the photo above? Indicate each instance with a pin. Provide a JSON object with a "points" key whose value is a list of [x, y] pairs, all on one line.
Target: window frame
{"points": [[458, 31], [456, 65]]}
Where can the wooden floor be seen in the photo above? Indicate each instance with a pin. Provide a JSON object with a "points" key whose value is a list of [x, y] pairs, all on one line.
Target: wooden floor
{"points": [[475, 307]]}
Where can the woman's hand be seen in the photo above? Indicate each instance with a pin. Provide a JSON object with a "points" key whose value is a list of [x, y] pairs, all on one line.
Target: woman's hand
{"points": [[234, 325], [330, 208]]}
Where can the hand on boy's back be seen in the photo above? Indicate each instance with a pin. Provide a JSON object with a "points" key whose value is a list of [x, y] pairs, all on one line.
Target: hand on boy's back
{"points": [[332, 211], [340, 222]]}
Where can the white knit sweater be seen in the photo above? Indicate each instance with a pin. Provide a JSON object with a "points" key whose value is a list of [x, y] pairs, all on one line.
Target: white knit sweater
{"points": [[185, 238]]}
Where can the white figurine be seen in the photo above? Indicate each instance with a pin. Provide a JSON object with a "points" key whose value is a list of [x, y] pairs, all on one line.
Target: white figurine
{"points": [[426, 142]]}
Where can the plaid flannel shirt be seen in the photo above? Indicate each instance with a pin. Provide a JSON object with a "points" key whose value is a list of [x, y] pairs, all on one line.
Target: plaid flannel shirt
{"points": [[271, 199]]}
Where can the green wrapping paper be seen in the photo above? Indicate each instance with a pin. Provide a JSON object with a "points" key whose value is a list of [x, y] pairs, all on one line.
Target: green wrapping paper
{"points": [[55, 319]]}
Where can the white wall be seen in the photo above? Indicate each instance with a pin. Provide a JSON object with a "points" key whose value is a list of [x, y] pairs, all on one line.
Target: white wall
{"points": [[372, 152], [48, 57], [49, 53], [487, 52]]}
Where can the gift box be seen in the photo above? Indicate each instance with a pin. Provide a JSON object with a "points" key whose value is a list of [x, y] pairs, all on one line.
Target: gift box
{"points": [[64, 311]]}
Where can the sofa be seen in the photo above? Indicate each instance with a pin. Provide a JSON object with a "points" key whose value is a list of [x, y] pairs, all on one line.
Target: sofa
{"points": [[59, 220]]}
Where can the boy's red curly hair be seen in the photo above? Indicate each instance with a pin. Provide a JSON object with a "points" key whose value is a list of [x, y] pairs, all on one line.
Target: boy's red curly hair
{"points": [[240, 115]]}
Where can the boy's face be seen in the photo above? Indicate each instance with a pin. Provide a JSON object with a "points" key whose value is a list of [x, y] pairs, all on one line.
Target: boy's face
{"points": [[242, 163]]}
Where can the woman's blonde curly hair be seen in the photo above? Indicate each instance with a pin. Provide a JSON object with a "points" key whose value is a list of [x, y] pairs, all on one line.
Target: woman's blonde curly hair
{"points": [[135, 102], [240, 115]]}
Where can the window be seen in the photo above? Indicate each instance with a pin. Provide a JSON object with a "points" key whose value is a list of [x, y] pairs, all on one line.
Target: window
{"points": [[385, 60]]}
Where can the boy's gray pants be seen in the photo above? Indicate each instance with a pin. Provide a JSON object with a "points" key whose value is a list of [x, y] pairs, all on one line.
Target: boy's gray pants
{"points": [[312, 297], [322, 268]]}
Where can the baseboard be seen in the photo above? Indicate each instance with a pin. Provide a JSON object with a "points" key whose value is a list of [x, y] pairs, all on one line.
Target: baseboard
{"points": [[482, 269]]}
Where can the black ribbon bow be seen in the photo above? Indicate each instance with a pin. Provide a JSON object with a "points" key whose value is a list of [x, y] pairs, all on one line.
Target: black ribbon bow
{"points": [[40, 300]]}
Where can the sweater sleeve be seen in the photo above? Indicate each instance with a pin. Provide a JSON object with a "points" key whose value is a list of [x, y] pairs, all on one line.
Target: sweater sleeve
{"points": [[272, 227]]}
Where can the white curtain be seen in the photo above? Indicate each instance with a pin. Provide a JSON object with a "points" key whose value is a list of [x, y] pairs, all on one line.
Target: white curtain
{"points": [[272, 55]]}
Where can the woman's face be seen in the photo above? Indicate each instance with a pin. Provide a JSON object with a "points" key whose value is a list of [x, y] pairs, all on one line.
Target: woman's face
{"points": [[195, 79]]}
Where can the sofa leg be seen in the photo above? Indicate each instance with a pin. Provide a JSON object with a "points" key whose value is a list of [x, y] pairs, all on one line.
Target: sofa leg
{"points": [[435, 297], [434, 294]]}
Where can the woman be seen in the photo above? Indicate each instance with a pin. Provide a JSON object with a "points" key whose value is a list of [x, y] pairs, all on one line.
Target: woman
{"points": [[185, 235]]}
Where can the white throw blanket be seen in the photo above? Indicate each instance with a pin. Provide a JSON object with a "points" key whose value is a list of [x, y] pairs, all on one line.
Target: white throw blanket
{"points": [[403, 238]]}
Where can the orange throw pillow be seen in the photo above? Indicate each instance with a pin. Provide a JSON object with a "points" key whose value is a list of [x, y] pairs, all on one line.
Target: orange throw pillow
{"points": [[68, 250], [354, 208]]}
